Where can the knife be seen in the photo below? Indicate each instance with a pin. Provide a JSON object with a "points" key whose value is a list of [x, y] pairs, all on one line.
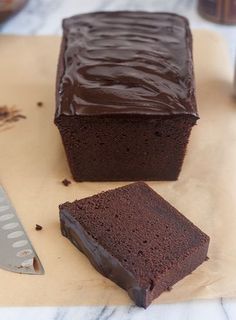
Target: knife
{"points": [[16, 251]]}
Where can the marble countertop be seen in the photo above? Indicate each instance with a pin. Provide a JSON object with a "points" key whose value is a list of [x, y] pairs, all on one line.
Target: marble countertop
{"points": [[41, 17]]}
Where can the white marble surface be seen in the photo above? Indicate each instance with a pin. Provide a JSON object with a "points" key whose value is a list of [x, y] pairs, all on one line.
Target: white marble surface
{"points": [[44, 17], [218, 309]]}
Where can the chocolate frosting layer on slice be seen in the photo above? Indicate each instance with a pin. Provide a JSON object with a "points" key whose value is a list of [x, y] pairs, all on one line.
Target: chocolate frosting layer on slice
{"points": [[126, 63]]}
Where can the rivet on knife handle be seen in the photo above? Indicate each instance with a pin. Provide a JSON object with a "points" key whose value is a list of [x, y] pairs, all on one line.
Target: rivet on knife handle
{"points": [[16, 252]]}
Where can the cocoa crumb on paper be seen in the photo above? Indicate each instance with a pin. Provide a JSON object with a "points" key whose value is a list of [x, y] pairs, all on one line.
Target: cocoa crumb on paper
{"points": [[38, 227], [66, 182], [40, 104], [9, 115]]}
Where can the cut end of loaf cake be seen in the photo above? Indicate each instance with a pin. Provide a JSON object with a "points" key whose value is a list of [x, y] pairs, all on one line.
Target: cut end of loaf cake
{"points": [[134, 237]]}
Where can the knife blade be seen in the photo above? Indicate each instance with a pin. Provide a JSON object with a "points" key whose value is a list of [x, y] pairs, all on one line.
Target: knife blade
{"points": [[16, 251]]}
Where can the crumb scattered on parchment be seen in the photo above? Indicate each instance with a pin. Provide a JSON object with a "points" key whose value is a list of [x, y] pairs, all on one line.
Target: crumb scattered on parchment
{"points": [[66, 182], [40, 104], [38, 227], [9, 115]]}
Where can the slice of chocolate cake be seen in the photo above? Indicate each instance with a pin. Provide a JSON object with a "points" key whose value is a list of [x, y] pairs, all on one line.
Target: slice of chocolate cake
{"points": [[125, 96], [135, 238]]}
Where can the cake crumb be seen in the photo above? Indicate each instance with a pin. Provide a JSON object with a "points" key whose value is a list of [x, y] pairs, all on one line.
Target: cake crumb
{"points": [[66, 182], [9, 114], [38, 227], [40, 104]]}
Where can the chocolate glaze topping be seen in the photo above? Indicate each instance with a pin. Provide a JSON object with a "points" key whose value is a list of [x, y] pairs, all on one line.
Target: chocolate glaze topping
{"points": [[126, 63]]}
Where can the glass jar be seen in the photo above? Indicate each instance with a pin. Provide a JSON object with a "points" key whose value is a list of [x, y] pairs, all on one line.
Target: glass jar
{"points": [[219, 11], [10, 7]]}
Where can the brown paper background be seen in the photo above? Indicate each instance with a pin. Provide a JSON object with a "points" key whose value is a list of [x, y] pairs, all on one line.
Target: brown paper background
{"points": [[32, 164]]}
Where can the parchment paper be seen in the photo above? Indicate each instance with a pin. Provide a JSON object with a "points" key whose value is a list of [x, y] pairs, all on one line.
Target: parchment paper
{"points": [[32, 165]]}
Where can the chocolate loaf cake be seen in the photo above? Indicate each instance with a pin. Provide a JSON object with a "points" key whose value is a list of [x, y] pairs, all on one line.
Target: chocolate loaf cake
{"points": [[134, 237], [125, 102]]}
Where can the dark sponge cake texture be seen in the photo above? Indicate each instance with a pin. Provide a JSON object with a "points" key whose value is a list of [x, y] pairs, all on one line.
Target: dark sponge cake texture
{"points": [[134, 237], [125, 149], [125, 96]]}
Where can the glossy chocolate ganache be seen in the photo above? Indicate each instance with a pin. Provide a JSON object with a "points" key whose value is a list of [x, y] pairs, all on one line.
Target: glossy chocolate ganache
{"points": [[126, 62]]}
